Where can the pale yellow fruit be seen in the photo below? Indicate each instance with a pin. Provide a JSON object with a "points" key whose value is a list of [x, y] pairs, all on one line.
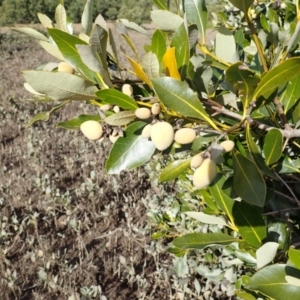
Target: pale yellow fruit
{"points": [[155, 109], [65, 67], [92, 129], [116, 109], [227, 145], [185, 136], [205, 174], [127, 89], [196, 161], [146, 133], [283, 6], [143, 113], [105, 107], [162, 135]]}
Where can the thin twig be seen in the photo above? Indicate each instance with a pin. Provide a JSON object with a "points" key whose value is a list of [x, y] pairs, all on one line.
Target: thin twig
{"points": [[288, 133], [289, 189], [282, 114]]}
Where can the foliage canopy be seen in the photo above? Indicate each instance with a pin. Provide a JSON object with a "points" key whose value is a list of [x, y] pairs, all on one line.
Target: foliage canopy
{"points": [[242, 88]]}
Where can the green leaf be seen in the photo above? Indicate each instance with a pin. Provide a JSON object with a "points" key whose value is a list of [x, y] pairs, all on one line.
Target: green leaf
{"points": [[250, 223], [165, 20], [174, 169], [123, 31], [99, 38], [266, 254], [161, 4], [158, 45], [61, 18], [76, 122], [202, 240], [224, 202], [60, 86], [248, 181], [273, 146], [134, 26], [256, 155], [209, 201], [243, 5], [131, 151], [177, 95], [289, 165], [271, 282], [196, 13], [182, 51], [91, 59], [150, 65], [67, 46], [45, 116], [205, 218], [290, 96], [264, 22], [116, 97], [226, 48], [52, 49], [45, 20], [244, 81], [278, 76], [87, 17], [279, 232], [31, 32], [294, 257], [120, 119], [296, 113]]}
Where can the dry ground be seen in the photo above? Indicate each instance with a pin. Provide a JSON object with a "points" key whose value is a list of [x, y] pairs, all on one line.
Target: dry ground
{"points": [[66, 228]]}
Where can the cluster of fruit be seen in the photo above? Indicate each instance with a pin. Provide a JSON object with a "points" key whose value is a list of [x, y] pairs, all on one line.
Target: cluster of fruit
{"points": [[160, 132], [205, 167]]}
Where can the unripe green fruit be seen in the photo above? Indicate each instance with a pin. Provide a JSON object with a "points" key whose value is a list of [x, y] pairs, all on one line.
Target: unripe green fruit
{"points": [[146, 133], [205, 174], [227, 145], [65, 67], [127, 89], [143, 113], [162, 135], [155, 109], [92, 129], [196, 161], [185, 136]]}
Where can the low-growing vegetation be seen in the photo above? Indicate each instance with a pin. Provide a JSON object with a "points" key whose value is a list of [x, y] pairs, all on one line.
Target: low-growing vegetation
{"points": [[221, 120]]}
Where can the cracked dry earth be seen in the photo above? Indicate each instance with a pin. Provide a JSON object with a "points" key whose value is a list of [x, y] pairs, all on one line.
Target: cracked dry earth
{"points": [[67, 230]]}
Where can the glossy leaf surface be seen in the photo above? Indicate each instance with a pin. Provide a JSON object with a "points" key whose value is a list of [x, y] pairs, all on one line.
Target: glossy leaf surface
{"points": [[250, 223], [278, 76], [174, 169], [67, 46], [202, 240], [178, 96], [248, 181], [116, 97], [131, 151], [273, 146], [271, 282], [196, 13]]}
